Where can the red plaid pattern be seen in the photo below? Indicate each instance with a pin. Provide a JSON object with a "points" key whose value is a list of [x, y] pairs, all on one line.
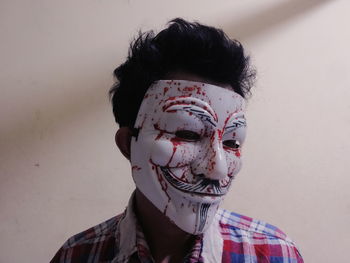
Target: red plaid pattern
{"points": [[231, 238]]}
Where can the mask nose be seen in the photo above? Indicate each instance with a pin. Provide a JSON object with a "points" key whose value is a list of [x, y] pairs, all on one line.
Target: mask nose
{"points": [[212, 163]]}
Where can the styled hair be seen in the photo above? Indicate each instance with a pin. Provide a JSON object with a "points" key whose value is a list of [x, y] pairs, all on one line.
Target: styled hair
{"points": [[183, 46]]}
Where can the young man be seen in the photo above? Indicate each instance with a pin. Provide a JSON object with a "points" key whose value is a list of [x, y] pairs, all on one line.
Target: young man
{"points": [[179, 101]]}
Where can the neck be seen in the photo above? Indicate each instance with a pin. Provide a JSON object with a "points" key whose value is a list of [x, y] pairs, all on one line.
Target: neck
{"points": [[167, 242]]}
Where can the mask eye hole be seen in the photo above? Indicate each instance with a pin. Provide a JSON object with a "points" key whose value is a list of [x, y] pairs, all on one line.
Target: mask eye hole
{"points": [[233, 144], [187, 135]]}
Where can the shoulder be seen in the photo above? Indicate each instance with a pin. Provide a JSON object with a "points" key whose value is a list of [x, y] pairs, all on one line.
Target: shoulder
{"points": [[246, 236], [233, 221], [90, 243]]}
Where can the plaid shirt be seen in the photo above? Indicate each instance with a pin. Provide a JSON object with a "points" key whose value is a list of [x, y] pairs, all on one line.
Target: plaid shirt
{"points": [[230, 238]]}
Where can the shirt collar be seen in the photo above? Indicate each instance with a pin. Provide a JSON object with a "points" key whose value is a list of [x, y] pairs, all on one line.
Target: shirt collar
{"points": [[213, 241], [126, 234]]}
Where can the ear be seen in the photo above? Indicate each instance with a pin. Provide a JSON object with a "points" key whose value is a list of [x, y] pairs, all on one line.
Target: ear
{"points": [[123, 141]]}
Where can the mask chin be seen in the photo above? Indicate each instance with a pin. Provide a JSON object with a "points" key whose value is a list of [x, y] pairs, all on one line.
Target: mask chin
{"points": [[192, 217], [191, 213]]}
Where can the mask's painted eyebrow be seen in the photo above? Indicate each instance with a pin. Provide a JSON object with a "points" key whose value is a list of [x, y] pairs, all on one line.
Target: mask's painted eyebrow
{"points": [[202, 114], [236, 123], [198, 107]]}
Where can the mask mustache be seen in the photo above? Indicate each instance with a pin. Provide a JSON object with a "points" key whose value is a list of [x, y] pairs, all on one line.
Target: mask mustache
{"points": [[203, 186], [209, 183]]}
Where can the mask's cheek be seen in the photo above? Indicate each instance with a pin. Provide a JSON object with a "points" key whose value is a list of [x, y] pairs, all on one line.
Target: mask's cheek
{"points": [[170, 152], [234, 163]]}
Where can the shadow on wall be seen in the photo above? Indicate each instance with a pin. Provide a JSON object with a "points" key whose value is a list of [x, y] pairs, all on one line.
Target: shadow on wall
{"points": [[53, 111], [258, 23], [66, 109]]}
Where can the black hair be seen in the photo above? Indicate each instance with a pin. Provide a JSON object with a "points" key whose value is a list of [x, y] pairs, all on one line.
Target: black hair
{"points": [[183, 46]]}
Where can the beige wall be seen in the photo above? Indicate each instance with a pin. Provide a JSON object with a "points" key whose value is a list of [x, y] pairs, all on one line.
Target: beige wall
{"points": [[61, 173]]}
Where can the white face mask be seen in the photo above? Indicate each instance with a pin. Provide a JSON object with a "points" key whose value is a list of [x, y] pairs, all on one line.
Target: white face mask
{"points": [[187, 150]]}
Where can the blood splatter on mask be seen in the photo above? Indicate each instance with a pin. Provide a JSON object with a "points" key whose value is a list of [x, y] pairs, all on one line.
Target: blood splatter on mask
{"points": [[187, 150]]}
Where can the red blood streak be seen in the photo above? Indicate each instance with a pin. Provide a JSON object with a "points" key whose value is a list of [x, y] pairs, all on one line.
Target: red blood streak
{"points": [[161, 132], [236, 151], [188, 88], [166, 208], [135, 167], [212, 138], [198, 90], [172, 155], [175, 143], [177, 97], [183, 177], [165, 90], [194, 88], [162, 182], [227, 119], [165, 107], [220, 135], [212, 164]]}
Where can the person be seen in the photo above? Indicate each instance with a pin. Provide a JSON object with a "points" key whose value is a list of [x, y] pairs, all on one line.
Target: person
{"points": [[179, 100]]}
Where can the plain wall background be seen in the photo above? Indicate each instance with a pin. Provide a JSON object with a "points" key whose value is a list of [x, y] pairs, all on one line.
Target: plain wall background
{"points": [[61, 172]]}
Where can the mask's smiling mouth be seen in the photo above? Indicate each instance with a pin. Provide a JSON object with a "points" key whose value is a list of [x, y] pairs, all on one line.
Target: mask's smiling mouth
{"points": [[202, 186]]}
